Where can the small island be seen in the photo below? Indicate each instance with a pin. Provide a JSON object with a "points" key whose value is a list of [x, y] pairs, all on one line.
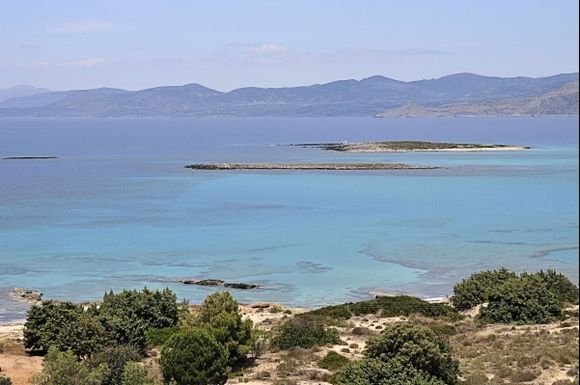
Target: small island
{"points": [[29, 157], [308, 166], [409, 146]]}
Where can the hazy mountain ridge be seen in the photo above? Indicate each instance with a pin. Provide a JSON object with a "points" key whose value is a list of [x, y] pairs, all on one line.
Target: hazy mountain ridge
{"points": [[563, 101], [367, 97], [20, 91]]}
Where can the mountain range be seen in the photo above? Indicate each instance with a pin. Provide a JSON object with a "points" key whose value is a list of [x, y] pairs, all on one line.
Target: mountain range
{"points": [[452, 95]]}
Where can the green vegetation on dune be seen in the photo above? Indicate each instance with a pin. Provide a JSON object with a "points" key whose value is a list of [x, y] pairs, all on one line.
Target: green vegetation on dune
{"points": [[511, 298], [106, 344], [386, 306]]}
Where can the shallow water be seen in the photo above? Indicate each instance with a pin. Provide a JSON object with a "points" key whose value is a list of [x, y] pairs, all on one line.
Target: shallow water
{"points": [[118, 210]]}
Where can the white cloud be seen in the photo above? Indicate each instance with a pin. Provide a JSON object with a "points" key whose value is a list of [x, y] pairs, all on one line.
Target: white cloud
{"points": [[83, 63], [85, 26]]}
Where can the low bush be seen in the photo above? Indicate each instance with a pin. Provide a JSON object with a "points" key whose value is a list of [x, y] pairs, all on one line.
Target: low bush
{"points": [[371, 371], [387, 306], [415, 346], [114, 358], [304, 332], [158, 337], [476, 289], [5, 380], [63, 368], [194, 358], [333, 361], [521, 300]]}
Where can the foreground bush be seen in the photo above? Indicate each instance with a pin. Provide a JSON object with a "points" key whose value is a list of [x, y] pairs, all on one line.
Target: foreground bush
{"points": [[377, 372], [417, 347], [194, 358], [304, 332], [521, 300], [5, 380], [63, 325], [565, 291], [135, 374], [115, 358], [63, 368], [401, 305], [476, 289], [219, 314], [129, 314], [333, 361], [122, 319]]}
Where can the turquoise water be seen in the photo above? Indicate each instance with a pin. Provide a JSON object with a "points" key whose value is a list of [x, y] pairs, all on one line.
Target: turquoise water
{"points": [[118, 210]]}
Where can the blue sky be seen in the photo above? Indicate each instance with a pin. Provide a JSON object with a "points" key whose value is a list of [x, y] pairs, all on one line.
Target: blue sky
{"points": [[224, 44]]}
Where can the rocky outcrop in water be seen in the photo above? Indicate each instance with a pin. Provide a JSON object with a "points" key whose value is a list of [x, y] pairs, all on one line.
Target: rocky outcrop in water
{"points": [[219, 282], [29, 296]]}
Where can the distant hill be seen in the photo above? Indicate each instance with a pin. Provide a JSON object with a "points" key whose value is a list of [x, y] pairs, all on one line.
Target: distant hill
{"points": [[563, 101], [373, 96], [19, 91]]}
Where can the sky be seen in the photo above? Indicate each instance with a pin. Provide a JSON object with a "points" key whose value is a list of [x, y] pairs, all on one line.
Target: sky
{"points": [[135, 44]]}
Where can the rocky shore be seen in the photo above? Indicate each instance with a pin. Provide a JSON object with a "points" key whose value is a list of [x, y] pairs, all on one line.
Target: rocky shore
{"points": [[409, 146], [308, 166]]}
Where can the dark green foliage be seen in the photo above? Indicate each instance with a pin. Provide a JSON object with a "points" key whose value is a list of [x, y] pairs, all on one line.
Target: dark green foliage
{"points": [[158, 337], [131, 313], [333, 361], [304, 332], [415, 346], [5, 380], [564, 289], [219, 314], [401, 305], [115, 358], [476, 289], [63, 368], [64, 325], [122, 319], [377, 372], [522, 300], [135, 374], [194, 358]]}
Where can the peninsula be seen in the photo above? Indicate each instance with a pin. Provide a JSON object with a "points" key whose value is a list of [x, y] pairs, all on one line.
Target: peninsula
{"points": [[409, 146], [308, 166]]}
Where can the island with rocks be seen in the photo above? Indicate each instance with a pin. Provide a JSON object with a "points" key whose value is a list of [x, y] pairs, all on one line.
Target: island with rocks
{"points": [[309, 166], [408, 146]]}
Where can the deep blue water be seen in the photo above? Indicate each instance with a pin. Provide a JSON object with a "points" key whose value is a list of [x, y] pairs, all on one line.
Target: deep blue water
{"points": [[118, 210]]}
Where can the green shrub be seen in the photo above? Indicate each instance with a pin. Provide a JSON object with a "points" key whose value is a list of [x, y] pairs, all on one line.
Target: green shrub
{"points": [[130, 313], [194, 358], [415, 346], [372, 371], [564, 290], [476, 289], [521, 300], [219, 313], [63, 325], [63, 368], [333, 361], [304, 332], [115, 358], [388, 306], [135, 374], [158, 337], [5, 380]]}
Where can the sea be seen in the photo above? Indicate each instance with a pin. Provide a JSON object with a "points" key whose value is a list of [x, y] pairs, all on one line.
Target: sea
{"points": [[118, 210]]}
